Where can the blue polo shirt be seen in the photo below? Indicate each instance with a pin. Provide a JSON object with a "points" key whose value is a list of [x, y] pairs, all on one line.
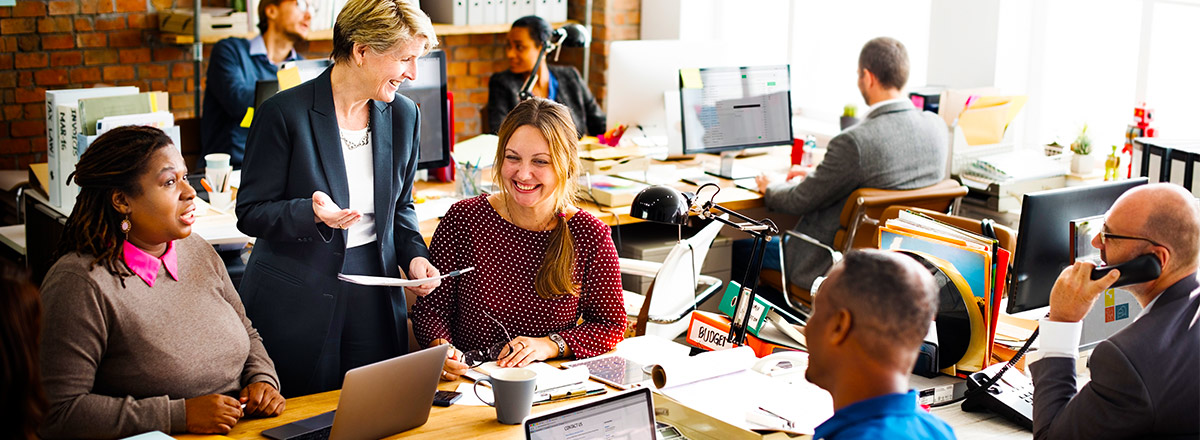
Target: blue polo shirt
{"points": [[234, 68], [892, 416]]}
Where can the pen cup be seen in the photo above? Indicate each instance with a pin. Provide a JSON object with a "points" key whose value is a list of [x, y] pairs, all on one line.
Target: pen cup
{"points": [[512, 389], [221, 201], [467, 181]]}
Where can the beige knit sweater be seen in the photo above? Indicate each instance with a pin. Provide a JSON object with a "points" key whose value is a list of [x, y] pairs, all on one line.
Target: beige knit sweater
{"points": [[118, 361]]}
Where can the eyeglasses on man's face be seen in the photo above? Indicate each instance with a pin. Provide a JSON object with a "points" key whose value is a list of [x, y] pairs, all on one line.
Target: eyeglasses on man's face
{"points": [[307, 6], [1106, 236]]}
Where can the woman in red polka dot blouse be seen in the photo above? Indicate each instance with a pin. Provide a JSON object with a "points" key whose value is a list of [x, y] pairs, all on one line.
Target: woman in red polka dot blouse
{"points": [[544, 269]]}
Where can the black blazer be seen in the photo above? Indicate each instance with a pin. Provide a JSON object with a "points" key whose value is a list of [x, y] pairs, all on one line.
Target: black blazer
{"points": [[1144, 378], [293, 149], [504, 90]]}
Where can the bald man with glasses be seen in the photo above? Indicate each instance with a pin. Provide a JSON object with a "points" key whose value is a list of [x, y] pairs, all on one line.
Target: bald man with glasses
{"points": [[1145, 379]]}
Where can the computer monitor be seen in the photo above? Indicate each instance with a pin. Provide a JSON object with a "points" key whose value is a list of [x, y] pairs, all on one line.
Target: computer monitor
{"points": [[428, 92], [643, 74], [733, 108], [1044, 237]]}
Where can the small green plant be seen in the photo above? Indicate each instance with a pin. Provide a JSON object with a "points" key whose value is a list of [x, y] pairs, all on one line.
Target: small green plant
{"points": [[1082, 144], [849, 110]]}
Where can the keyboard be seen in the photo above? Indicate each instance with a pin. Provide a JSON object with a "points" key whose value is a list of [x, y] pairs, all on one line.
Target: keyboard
{"points": [[320, 434]]}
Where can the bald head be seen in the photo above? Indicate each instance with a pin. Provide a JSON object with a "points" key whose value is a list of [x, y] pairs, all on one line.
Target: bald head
{"points": [[891, 297], [1167, 214]]}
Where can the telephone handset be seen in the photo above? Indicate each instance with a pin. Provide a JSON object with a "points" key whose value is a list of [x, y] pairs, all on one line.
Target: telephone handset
{"points": [[1138, 270]]}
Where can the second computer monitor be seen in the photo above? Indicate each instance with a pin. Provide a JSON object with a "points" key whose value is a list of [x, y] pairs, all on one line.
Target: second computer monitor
{"points": [[1044, 243], [733, 108], [429, 92]]}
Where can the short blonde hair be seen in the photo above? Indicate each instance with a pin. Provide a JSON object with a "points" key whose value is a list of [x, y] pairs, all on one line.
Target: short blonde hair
{"points": [[556, 276], [380, 25]]}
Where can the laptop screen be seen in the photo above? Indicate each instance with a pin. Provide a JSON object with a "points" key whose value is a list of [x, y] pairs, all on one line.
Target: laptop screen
{"points": [[628, 416]]}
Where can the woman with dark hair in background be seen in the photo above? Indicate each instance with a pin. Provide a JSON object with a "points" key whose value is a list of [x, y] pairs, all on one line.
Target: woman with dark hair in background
{"points": [[143, 328], [22, 402], [546, 273], [561, 84]]}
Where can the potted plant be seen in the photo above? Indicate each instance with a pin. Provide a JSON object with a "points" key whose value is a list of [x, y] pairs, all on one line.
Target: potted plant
{"points": [[848, 120], [1081, 161]]}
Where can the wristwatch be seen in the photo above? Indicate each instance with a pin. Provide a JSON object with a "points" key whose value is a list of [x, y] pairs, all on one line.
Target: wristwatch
{"points": [[562, 343]]}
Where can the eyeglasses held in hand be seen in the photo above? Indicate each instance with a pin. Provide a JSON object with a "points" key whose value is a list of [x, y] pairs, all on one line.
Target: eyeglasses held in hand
{"points": [[477, 357]]}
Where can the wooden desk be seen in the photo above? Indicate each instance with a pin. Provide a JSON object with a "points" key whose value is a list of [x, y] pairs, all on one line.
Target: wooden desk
{"points": [[479, 422], [454, 422]]}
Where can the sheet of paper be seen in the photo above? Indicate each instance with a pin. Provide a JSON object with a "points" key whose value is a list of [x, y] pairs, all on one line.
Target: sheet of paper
{"points": [[433, 208], [680, 371], [548, 377], [730, 397], [479, 150], [395, 282], [468, 395], [691, 78]]}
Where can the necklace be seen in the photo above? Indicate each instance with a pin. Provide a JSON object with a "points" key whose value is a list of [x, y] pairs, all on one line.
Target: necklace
{"points": [[352, 145], [513, 220]]}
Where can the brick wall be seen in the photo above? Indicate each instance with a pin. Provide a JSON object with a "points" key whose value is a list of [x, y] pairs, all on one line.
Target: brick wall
{"points": [[60, 44]]}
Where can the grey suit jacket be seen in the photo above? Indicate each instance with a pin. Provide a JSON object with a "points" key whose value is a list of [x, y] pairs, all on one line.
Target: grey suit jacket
{"points": [[896, 147], [1145, 379]]}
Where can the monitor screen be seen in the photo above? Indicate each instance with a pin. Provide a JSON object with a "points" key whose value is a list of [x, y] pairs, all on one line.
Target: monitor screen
{"points": [[429, 92], [731, 108], [625, 416], [1044, 237]]}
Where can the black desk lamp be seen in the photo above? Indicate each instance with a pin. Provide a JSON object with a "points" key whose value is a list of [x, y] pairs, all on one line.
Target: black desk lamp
{"points": [[664, 204], [570, 35]]}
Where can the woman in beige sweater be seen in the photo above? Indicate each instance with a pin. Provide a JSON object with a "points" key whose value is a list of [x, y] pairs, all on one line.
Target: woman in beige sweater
{"points": [[143, 329]]}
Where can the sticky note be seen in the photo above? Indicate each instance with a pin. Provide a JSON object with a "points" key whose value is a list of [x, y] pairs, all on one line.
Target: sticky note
{"points": [[691, 78], [288, 78], [246, 120]]}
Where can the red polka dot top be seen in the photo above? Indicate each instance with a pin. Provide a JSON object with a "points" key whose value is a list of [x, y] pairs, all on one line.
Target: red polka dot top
{"points": [[506, 259]]}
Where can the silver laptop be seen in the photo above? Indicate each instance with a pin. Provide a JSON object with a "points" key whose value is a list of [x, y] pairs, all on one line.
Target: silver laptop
{"points": [[377, 400], [628, 415]]}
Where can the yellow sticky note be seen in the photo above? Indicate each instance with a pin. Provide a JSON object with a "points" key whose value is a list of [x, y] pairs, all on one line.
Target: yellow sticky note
{"points": [[691, 78], [248, 118], [288, 78]]}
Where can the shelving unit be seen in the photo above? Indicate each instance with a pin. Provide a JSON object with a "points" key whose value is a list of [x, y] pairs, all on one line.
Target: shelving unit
{"points": [[327, 34]]}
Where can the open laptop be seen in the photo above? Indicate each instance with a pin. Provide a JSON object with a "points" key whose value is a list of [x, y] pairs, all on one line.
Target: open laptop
{"points": [[628, 415], [377, 400]]}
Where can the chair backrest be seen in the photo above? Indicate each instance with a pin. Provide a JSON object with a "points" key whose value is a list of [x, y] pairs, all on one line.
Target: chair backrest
{"points": [[675, 282], [859, 220], [1004, 234]]}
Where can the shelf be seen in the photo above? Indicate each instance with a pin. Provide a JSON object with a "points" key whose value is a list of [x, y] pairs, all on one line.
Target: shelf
{"points": [[327, 34]]}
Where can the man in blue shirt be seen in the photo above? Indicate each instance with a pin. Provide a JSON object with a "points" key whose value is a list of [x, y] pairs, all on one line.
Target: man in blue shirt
{"points": [[237, 64], [869, 318]]}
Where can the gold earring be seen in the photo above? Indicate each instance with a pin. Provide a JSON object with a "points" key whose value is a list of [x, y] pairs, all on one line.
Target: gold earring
{"points": [[126, 225]]}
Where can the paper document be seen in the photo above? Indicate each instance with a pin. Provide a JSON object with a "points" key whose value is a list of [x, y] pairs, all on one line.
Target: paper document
{"points": [[396, 282], [479, 151], [548, 377]]}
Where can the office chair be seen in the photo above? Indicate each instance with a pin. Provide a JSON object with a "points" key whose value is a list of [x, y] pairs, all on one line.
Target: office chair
{"points": [[859, 227], [677, 289]]}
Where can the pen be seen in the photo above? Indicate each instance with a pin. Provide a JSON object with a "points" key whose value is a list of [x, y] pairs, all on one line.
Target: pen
{"points": [[459, 272], [204, 183]]}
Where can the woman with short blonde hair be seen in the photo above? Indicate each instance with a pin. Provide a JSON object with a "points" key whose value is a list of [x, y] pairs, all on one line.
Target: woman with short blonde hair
{"points": [[344, 203], [547, 280]]}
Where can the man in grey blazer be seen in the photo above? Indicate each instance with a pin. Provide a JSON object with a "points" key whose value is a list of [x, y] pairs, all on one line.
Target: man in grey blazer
{"points": [[897, 146], [1145, 379]]}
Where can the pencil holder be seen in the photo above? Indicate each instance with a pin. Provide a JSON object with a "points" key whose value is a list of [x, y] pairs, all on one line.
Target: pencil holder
{"points": [[467, 181]]}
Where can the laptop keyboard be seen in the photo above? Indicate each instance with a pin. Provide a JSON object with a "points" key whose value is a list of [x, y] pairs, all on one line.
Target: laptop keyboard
{"points": [[320, 434]]}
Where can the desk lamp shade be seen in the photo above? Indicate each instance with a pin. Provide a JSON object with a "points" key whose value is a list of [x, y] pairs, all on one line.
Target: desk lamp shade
{"points": [[577, 35], [661, 204]]}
